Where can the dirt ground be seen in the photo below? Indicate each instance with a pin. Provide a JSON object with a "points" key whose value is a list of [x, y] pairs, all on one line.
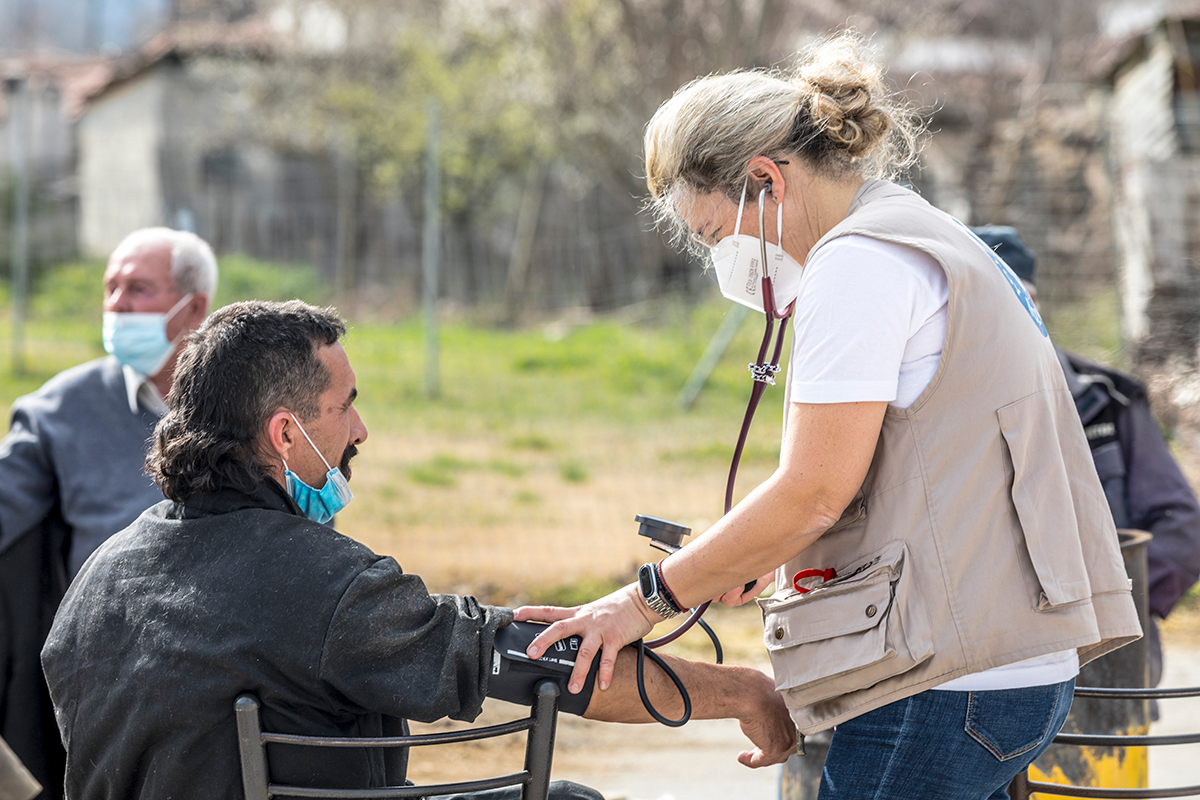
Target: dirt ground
{"points": [[698, 761]]}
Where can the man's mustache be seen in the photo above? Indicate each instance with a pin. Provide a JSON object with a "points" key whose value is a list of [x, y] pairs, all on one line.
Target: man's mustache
{"points": [[349, 453]]}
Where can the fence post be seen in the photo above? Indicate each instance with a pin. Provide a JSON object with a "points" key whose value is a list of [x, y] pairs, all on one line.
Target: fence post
{"points": [[429, 249], [15, 95]]}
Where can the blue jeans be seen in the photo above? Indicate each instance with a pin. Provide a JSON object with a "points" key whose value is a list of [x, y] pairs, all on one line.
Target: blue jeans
{"points": [[944, 745]]}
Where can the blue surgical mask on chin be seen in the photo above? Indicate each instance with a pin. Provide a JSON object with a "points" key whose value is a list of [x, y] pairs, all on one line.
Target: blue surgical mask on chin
{"points": [[318, 505], [139, 341]]}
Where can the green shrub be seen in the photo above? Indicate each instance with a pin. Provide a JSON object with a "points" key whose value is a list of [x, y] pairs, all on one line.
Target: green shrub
{"points": [[245, 278], [573, 472]]}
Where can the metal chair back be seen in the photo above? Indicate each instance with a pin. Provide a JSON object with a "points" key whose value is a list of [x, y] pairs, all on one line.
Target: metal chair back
{"points": [[534, 779], [1022, 788]]}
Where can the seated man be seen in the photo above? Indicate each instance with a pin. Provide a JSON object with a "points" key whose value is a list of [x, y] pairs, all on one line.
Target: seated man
{"points": [[227, 587]]}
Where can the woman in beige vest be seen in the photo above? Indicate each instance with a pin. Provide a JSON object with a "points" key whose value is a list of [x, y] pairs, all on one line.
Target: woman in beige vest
{"points": [[941, 549]]}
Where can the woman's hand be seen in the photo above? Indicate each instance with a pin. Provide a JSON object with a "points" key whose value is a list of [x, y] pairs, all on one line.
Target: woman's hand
{"points": [[605, 626], [740, 595]]}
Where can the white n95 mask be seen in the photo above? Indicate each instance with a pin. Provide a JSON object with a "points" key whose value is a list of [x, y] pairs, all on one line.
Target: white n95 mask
{"points": [[737, 260]]}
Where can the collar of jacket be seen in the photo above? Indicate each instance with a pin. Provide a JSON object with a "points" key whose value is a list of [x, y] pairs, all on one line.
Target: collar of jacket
{"points": [[267, 495]]}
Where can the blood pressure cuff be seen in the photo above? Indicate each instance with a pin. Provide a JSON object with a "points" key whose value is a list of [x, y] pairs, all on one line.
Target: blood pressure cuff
{"points": [[514, 674]]}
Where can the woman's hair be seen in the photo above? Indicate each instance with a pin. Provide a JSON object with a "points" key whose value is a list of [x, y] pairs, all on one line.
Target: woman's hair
{"points": [[833, 111], [243, 364]]}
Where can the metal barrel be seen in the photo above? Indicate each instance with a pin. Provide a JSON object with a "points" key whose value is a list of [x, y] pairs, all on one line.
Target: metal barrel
{"points": [[1110, 767], [802, 774]]}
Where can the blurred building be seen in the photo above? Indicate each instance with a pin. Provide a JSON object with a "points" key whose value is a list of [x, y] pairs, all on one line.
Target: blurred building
{"points": [[42, 97], [1154, 118], [1015, 116]]}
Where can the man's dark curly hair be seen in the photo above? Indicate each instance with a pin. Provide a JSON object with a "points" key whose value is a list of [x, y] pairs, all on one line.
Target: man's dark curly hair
{"points": [[243, 364]]}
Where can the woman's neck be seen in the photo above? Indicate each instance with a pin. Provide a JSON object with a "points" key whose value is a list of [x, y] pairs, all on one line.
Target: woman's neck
{"points": [[813, 205]]}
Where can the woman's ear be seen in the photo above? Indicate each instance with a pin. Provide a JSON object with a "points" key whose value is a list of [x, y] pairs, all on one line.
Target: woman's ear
{"points": [[765, 173]]}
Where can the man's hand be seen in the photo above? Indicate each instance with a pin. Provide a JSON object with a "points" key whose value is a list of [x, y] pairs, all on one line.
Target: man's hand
{"points": [[770, 729]]}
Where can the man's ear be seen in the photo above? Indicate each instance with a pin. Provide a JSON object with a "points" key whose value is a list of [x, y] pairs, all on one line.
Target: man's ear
{"points": [[281, 433], [197, 310]]}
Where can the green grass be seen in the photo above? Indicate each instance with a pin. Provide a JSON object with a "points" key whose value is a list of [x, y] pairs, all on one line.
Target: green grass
{"points": [[531, 441], [720, 451], [573, 594], [515, 381], [574, 472], [244, 278], [444, 469]]}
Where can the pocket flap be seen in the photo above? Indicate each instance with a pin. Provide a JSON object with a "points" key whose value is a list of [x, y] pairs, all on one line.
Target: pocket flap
{"points": [[1041, 492], [829, 612]]}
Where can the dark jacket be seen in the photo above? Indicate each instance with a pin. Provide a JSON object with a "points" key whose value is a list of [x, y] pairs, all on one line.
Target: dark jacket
{"points": [[192, 604], [71, 475], [33, 577], [1144, 486]]}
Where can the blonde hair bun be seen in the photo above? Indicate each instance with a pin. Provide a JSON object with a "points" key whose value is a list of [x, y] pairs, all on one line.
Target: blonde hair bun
{"points": [[844, 95]]}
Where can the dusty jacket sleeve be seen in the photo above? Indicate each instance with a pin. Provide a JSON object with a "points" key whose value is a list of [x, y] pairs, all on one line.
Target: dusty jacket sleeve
{"points": [[1161, 502], [393, 648], [27, 482]]}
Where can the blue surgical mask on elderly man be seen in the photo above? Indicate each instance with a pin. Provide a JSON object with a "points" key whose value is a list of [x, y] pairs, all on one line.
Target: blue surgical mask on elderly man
{"points": [[737, 258], [319, 505], [139, 340]]}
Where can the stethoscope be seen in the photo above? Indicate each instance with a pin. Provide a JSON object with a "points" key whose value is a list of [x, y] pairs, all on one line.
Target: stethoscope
{"points": [[763, 373]]}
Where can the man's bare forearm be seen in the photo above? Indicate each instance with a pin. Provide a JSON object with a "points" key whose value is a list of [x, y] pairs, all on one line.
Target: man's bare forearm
{"points": [[717, 691]]}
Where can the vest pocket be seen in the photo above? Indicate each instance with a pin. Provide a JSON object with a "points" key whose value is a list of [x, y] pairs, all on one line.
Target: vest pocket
{"points": [[849, 633], [1041, 493]]}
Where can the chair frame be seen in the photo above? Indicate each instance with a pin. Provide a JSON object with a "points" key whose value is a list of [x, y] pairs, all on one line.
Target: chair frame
{"points": [[1022, 788], [534, 779]]}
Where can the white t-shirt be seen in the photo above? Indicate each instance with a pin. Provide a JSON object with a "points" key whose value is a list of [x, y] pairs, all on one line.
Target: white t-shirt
{"points": [[870, 325]]}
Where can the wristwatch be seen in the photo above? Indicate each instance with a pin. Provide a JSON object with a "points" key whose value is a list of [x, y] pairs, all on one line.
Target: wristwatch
{"points": [[653, 592]]}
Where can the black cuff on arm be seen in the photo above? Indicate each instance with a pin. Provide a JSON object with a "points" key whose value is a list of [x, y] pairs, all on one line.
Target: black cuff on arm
{"points": [[514, 675]]}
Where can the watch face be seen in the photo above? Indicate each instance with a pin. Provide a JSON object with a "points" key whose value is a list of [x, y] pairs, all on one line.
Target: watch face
{"points": [[646, 580]]}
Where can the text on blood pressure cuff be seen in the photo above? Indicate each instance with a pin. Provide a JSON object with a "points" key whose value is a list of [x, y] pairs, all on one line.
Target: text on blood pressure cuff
{"points": [[514, 674]]}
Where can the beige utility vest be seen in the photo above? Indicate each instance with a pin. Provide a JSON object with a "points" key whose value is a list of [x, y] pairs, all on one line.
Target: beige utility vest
{"points": [[981, 535]]}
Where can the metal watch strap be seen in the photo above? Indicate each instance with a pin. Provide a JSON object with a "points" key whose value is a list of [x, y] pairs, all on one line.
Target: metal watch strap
{"points": [[661, 581], [657, 603]]}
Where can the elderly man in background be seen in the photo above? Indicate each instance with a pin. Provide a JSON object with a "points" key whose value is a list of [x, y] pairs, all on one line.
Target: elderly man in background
{"points": [[72, 465]]}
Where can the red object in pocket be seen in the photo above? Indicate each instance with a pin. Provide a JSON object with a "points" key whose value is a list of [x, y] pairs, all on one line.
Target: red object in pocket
{"points": [[823, 574]]}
